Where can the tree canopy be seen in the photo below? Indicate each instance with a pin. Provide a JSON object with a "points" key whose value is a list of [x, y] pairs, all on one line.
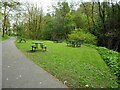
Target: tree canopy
{"points": [[101, 19]]}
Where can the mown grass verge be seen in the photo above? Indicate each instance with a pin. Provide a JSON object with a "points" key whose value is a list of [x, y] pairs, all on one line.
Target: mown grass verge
{"points": [[78, 67], [112, 59]]}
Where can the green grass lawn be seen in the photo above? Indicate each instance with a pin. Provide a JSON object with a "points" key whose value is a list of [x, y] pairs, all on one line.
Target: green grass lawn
{"points": [[78, 66]]}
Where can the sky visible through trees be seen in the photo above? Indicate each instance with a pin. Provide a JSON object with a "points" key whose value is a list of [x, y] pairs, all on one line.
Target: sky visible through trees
{"points": [[62, 20]]}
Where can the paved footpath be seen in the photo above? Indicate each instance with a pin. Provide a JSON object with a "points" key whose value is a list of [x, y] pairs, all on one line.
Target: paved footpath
{"points": [[19, 72]]}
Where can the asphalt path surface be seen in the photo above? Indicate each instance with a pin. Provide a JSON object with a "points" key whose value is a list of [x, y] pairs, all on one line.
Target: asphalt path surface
{"points": [[0, 64], [19, 72]]}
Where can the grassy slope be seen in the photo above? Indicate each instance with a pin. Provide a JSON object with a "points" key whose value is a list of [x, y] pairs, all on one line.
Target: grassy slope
{"points": [[78, 66]]}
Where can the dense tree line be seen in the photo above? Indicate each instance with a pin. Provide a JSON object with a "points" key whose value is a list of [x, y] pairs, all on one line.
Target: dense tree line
{"points": [[6, 9], [100, 19]]}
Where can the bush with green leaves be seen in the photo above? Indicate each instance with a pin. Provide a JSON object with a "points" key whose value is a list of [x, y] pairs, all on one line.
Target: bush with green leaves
{"points": [[82, 35], [111, 58]]}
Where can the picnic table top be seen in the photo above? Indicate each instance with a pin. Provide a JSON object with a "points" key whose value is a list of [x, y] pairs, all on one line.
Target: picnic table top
{"points": [[37, 42]]}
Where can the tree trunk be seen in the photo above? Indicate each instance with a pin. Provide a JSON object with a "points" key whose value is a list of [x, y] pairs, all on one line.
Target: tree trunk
{"points": [[117, 45], [3, 34], [87, 17]]}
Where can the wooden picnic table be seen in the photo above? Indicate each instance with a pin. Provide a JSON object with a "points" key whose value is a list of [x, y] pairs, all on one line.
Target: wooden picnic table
{"points": [[75, 43], [36, 43], [35, 46]]}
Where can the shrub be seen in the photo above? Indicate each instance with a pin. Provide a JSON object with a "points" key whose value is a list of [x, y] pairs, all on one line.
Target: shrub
{"points": [[82, 35]]}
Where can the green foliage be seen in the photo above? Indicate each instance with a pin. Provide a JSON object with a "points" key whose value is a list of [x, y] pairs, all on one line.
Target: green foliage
{"points": [[62, 21], [111, 58], [80, 20], [7, 7], [32, 24], [82, 35], [100, 19], [108, 25], [19, 29], [69, 23], [46, 34], [48, 27]]}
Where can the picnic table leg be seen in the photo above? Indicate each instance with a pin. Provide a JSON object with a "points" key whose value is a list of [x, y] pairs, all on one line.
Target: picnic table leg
{"points": [[45, 48], [35, 48], [24, 40], [36, 45], [73, 44], [32, 48]]}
